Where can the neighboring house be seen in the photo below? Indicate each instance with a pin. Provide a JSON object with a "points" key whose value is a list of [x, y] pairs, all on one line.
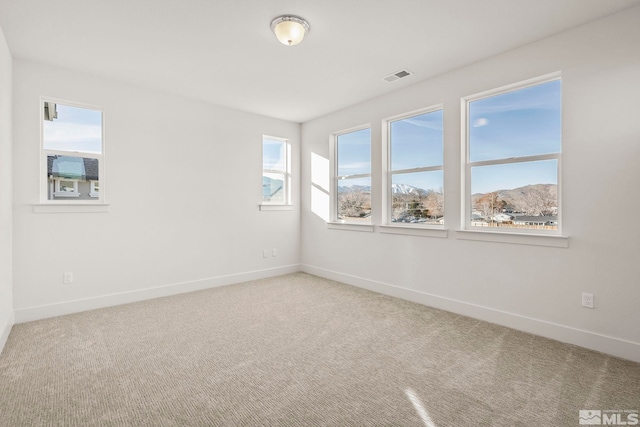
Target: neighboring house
{"points": [[502, 217], [536, 220], [72, 177]]}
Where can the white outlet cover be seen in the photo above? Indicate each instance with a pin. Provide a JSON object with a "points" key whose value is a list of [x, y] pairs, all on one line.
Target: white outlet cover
{"points": [[587, 300]]}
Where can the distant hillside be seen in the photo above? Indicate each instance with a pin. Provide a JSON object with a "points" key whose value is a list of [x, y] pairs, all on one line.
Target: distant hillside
{"points": [[518, 194], [395, 189], [536, 199], [354, 189]]}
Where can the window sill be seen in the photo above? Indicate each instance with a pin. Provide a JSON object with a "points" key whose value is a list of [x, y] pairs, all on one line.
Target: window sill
{"points": [[350, 226], [515, 238], [66, 194], [71, 208], [276, 207], [414, 231]]}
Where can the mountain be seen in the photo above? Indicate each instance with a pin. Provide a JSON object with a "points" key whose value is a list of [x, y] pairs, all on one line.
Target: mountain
{"points": [[354, 189], [516, 195], [395, 189], [534, 199], [406, 189]]}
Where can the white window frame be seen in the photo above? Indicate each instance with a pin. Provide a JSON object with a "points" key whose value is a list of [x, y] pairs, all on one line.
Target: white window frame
{"points": [[467, 165], [59, 193], [335, 178], [388, 173], [44, 153], [94, 189], [286, 173]]}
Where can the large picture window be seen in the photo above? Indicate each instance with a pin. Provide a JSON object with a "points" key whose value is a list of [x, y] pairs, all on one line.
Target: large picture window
{"points": [[513, 153], [72, 147], [353, 176], [415, 169]]}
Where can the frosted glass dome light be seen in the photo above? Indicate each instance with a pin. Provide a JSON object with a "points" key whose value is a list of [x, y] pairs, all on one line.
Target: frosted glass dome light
{"points": [[289, 29]]}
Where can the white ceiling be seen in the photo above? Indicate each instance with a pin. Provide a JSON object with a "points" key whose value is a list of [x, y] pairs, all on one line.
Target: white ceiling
{"points": [[223, 51]]}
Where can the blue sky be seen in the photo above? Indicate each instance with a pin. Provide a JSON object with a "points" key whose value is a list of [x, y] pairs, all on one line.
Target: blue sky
{"points": [[354, 152], [518, 123], [485, 179], [273, 155], [75, 129], [416, 141], [523, 122]]}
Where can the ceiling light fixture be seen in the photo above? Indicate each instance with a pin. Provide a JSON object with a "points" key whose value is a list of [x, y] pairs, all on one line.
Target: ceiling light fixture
{"points": [[289, 29]]}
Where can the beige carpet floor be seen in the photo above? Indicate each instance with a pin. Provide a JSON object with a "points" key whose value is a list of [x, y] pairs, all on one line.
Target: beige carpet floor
{"points": [[297, 350]]}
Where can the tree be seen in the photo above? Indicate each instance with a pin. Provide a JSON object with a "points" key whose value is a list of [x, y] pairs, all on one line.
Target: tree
{"points": [[434, 203], [537, 202], [489, 204], [354, 204]]}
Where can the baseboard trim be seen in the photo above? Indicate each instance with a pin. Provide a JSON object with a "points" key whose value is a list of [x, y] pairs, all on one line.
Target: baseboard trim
{"points": [[6, 330], [68, 307], [605, 344]]}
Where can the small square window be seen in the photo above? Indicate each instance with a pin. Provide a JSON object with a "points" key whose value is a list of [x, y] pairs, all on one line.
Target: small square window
{"points": [[66, 188]]}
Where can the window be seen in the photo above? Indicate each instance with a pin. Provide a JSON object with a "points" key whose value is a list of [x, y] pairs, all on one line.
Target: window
{"points": [[276, 171], [513, 154], [95, 189], [415, 169], [72, 146], [352, 176], [66, 187]]}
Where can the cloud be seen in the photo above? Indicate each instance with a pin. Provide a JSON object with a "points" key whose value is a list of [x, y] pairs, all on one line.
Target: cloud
{"points": [[67, 136], [430, 124], [71, 132], [480, 122], [546, 96], [355, 168]]}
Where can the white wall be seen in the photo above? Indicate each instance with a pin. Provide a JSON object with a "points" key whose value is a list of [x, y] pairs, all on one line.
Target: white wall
{"points": [[6, 306], [533, 288], [183, 180]]}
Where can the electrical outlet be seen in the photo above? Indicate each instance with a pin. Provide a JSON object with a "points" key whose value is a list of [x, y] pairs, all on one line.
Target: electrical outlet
{"points": [[265, 253], [67, 278], [587, 300], [274, 252]]}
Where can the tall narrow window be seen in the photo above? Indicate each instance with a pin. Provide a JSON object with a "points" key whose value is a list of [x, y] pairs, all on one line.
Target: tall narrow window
{"points": [[73, 149], [353, 176], [276, 171], [415, 178], [513, 158]]}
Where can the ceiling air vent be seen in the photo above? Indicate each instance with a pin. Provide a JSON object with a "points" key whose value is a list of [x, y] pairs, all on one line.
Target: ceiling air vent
{"points": [[397, 75]]}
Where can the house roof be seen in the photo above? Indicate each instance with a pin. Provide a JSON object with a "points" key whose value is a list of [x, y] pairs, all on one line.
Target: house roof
{"points": [[82, 168], [529, 218]]}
